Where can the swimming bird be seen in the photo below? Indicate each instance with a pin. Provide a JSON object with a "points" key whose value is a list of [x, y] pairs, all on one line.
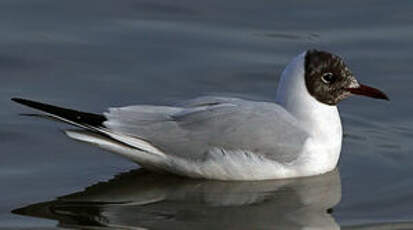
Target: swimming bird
{"points": [[227, 138]]}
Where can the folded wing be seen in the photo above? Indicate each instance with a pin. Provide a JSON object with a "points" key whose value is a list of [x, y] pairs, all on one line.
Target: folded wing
{"points": [[192, 130]]}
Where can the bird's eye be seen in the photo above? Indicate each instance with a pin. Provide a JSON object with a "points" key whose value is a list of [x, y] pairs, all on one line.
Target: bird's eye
{"points": [[328, 78]]}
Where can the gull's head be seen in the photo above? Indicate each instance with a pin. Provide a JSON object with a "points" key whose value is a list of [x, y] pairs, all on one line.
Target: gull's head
{"points": [[330, 81]]}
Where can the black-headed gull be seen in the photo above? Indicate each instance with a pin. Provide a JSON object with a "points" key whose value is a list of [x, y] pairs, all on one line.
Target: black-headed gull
{"points": [[230, 138]]}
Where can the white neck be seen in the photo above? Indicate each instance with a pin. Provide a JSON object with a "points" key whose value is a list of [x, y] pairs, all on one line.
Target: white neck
{"points": [[320, 120]]}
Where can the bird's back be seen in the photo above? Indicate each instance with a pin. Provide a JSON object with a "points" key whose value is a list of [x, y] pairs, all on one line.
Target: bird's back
{"points": [[206, 124]]}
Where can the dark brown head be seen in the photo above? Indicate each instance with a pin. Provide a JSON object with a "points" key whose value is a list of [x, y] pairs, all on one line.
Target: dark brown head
{"points": [[329, 80]]}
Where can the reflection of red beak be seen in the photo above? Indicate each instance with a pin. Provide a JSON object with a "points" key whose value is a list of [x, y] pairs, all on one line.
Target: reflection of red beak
{"points": [[368, 91]]}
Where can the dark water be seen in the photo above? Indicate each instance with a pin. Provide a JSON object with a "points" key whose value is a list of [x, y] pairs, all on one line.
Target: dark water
{"points": [[91, 55]]}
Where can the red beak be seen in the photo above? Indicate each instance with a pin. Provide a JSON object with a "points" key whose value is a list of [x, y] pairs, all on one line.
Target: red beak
{"points": [[368, 91]]}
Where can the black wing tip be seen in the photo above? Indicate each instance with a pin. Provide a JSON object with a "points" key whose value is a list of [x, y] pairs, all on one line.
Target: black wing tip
{"points": [[18, 99], [32, 104], [23, 101], [82, 118]]}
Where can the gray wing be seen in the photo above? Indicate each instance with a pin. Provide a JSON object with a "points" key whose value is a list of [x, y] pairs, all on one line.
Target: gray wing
{"points": [[200, 125]]}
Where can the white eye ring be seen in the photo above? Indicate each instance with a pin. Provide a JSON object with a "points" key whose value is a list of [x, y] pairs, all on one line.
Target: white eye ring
{"points": [[328, 78]]}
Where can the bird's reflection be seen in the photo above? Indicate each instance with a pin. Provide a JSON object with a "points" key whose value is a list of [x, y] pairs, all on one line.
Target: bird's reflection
{"points": [[141, 199]]}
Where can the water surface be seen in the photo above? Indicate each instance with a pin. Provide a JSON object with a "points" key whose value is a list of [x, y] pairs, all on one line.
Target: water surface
{"points": [[91, 55]]}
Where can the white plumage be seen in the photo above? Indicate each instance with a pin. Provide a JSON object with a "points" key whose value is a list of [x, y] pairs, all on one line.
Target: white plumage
{"points": [[230, 138]]}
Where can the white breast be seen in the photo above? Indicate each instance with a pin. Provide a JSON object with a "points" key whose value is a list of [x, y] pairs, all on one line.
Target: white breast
{"points": [[322, 150]]}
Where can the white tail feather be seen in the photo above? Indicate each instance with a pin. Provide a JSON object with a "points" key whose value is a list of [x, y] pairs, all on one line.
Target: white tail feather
{"points": [[141, 157]]}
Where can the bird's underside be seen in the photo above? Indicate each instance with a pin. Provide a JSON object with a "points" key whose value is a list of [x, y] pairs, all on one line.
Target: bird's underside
{"points": [[208, 137]]}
